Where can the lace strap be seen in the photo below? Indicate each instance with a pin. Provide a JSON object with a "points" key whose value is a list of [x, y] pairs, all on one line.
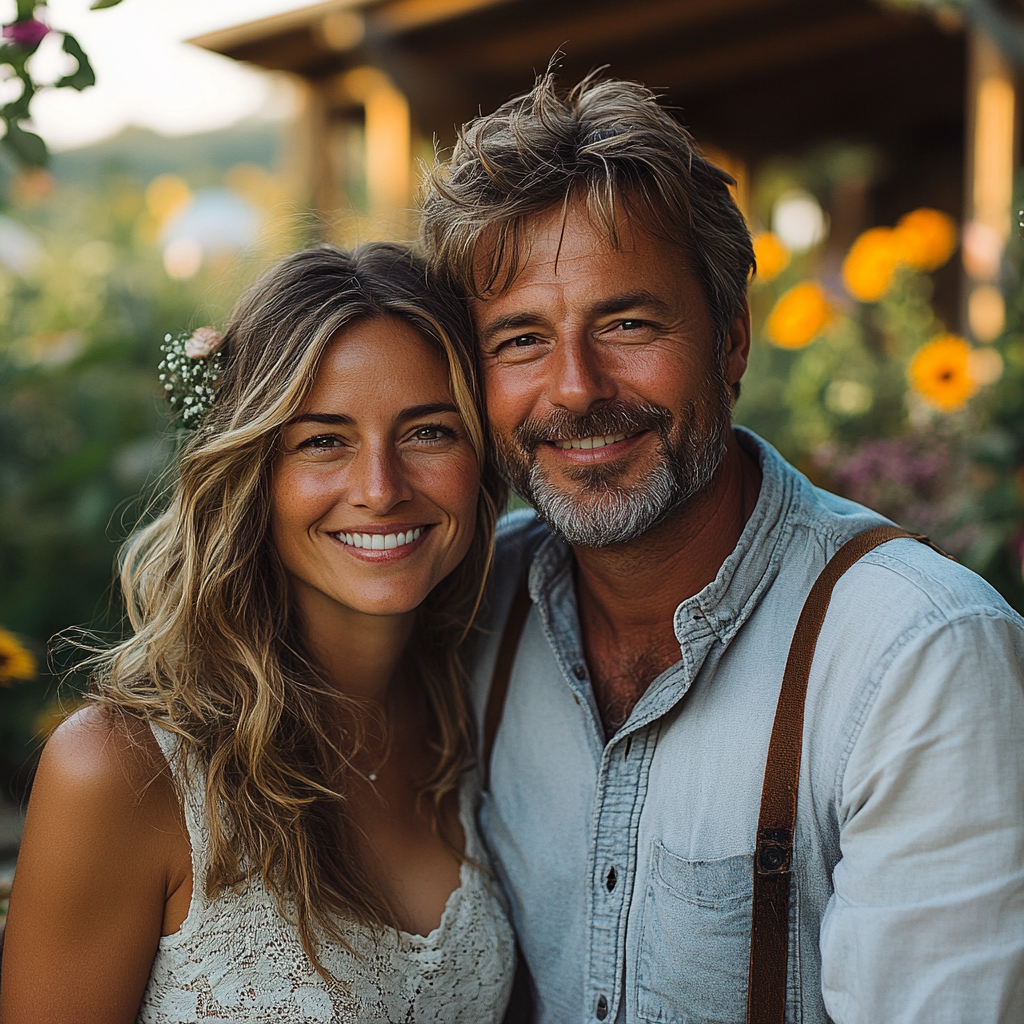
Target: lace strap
{"points": [[189, 784]]}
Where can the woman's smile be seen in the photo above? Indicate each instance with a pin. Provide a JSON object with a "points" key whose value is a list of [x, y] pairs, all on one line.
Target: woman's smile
{"points": [[382, 544]]}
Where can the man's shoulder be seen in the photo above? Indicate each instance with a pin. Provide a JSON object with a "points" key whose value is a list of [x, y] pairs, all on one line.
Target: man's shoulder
{"points": [[517, 539]]}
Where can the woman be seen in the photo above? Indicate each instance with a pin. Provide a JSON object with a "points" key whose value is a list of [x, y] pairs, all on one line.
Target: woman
{"points": [[264, 814]]}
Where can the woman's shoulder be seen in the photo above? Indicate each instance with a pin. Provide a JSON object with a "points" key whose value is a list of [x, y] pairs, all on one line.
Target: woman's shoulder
{"points": [[99, 755]]}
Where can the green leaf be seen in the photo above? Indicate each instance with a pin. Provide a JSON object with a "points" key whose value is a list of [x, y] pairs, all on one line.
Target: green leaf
{"points": [[84, 76], [26, 9], [100, 4], [26, 146]]}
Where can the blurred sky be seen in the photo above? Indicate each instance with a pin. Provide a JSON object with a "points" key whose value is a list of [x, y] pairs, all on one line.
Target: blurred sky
{"points": [[146, 74]]}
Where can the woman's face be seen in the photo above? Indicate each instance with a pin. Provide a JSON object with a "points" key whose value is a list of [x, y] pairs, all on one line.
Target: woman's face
{"points": [[375, 490]]}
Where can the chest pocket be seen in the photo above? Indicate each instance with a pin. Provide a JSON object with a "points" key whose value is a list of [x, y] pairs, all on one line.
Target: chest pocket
{"points": [[695, 940]]}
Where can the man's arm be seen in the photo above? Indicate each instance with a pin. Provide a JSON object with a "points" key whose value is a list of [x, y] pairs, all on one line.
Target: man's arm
{"points": [[927, 921]]}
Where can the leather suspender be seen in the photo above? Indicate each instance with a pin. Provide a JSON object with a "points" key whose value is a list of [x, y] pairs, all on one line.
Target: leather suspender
{"points": [[773, 854], [502, 674]]}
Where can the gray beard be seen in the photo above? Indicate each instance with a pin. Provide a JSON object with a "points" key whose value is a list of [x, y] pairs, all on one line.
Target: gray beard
{"points": [[597, 513]]}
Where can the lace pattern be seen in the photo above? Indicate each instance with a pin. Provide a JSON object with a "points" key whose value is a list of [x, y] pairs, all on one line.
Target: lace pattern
{"points": [[236, 960]]}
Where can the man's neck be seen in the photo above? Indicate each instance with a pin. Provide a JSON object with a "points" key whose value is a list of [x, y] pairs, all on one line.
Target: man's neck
{"points": [[628, 593]]}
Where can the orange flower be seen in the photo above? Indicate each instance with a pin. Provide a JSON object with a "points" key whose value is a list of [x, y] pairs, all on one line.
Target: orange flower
{"points": [[16, 661], [871, 263], [771, 254], [927, 238], [940, 372], [799, 316]]}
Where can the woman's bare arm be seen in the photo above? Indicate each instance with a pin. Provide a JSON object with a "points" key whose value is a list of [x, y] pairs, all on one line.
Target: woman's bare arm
{"points": [[103, 850]]}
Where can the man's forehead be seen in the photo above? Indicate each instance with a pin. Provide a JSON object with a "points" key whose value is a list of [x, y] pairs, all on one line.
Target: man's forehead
{"points": [[560, 244]]}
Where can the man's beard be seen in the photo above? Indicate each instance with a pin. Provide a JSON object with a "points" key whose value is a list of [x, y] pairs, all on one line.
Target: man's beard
{"points": [[597, 512]]}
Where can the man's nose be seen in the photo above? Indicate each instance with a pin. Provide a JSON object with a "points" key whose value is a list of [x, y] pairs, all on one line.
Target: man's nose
{"points": [[377, 479], [578, 379]]}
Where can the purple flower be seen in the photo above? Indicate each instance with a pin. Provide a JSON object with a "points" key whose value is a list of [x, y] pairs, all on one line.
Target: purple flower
{"points": [[26, 34]]}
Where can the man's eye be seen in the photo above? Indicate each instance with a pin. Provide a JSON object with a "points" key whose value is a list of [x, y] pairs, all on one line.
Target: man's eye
{"points": [[523, 341], [632, 325]]}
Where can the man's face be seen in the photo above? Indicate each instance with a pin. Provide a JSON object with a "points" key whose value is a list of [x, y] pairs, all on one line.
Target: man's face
{"points": [[608, 407]]}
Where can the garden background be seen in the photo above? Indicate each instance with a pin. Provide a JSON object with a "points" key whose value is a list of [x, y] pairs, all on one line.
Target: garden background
{"points": [[865, 371]]}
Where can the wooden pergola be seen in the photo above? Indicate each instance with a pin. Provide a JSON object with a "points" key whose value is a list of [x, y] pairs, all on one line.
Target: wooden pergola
{"points": [[383, 80]]}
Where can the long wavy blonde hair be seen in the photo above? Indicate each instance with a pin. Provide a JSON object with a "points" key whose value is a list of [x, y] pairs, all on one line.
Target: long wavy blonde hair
{"points": [[216, 655]]}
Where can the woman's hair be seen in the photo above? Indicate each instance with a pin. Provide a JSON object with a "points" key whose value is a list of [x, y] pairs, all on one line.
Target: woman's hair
{"points": [[217, 656]]}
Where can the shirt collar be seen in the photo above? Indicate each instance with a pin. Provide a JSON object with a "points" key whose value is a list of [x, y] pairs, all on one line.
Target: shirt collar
{"points": [[726, 602]]}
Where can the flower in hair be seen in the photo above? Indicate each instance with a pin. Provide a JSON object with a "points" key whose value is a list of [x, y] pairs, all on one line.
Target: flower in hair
{"points": [[191, 367]]}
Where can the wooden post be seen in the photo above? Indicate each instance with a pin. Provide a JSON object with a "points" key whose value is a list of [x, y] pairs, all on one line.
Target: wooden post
{"points": [[989, 153], [388, 149]]}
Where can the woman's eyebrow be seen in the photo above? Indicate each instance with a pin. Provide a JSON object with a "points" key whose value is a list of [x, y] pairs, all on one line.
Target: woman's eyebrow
{"points": [[341, 420], [431, 409], [322, 417]]}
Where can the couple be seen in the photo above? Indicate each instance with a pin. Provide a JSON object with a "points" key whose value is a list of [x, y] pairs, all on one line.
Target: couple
{"points": [[270, 811]]}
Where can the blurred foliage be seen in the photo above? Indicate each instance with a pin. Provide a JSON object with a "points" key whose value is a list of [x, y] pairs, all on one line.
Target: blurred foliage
{"points": [[83, 427], [21, 38], [874, 398]]}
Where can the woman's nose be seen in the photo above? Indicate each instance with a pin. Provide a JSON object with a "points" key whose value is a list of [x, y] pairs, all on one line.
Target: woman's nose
{"points": [[377, 480]]}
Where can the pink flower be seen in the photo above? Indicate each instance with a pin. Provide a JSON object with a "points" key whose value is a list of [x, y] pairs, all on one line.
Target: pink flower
{"points": [[26, 34], [204, 342]]}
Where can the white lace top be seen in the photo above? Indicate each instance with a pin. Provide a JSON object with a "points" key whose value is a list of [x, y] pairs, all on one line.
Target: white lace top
{"points": [[236, 960]]}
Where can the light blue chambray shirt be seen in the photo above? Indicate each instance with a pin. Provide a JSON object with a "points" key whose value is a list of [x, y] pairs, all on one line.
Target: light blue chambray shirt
{"points": [[628, 863]]}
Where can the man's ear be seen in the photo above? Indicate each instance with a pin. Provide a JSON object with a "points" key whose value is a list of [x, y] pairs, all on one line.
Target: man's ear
{"points": [[737, 346]]}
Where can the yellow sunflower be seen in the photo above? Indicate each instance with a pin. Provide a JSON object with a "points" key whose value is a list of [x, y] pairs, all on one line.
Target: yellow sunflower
{"points": [[926, 238], [940, 372], [870, 264], [799, 316], [16, 662], [771, 254]]}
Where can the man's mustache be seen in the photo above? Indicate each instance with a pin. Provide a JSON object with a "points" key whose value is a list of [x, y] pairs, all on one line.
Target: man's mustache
{"points": [[616, 417]]}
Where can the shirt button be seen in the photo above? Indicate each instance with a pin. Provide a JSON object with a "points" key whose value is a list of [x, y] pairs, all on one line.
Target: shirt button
{"points": [[610, 879], [601, 1009], [580, 672]]}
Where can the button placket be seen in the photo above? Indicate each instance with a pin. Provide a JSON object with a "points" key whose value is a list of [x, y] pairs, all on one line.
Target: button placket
{"points": [[613, 869]]}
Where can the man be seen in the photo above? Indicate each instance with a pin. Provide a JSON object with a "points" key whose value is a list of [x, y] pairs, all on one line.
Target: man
{"points": [[667, 565]]}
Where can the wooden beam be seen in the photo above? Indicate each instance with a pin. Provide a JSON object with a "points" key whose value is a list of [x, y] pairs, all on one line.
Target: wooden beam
{"points": [[404, 15], [610, 27], [748, 58]]}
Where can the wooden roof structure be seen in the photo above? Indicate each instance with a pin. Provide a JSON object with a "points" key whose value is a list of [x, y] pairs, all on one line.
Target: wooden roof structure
{"points": [[750, 78]]}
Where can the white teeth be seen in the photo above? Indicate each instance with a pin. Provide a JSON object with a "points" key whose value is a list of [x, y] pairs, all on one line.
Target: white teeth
{"points": [[587, 443], [380, 541]]}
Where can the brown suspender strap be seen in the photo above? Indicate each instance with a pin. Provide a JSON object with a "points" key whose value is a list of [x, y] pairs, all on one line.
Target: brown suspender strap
{"points": [[502, 674], [773, 854]]}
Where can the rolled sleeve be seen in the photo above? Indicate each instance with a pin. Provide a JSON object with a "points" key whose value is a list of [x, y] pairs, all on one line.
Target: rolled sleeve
{"points": [[926, 924]]}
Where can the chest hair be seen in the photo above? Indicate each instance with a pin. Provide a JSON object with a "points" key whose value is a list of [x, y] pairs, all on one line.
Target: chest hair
{"points": [[620, 676]]}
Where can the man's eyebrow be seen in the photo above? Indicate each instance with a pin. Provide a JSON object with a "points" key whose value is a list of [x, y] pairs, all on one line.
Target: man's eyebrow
{"points": [[641, 299], [631, 300], [510, 322]]}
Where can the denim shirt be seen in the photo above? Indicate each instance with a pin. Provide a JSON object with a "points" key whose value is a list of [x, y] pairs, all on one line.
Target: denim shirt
{"points": [[628, 862]]}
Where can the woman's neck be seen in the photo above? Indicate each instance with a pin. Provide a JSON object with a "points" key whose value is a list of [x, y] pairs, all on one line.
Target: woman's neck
{"points": [[359, 653]]}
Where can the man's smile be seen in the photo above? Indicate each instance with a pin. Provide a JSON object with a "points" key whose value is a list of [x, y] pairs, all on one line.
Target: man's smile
{"points": [[589, 442]]}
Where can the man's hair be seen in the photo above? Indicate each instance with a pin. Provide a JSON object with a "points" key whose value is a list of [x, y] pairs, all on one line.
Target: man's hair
{"points": [[606, 143]]}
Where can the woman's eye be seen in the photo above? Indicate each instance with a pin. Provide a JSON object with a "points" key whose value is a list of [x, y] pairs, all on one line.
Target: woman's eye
{"points": [[437, 433], [321, 442]]}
